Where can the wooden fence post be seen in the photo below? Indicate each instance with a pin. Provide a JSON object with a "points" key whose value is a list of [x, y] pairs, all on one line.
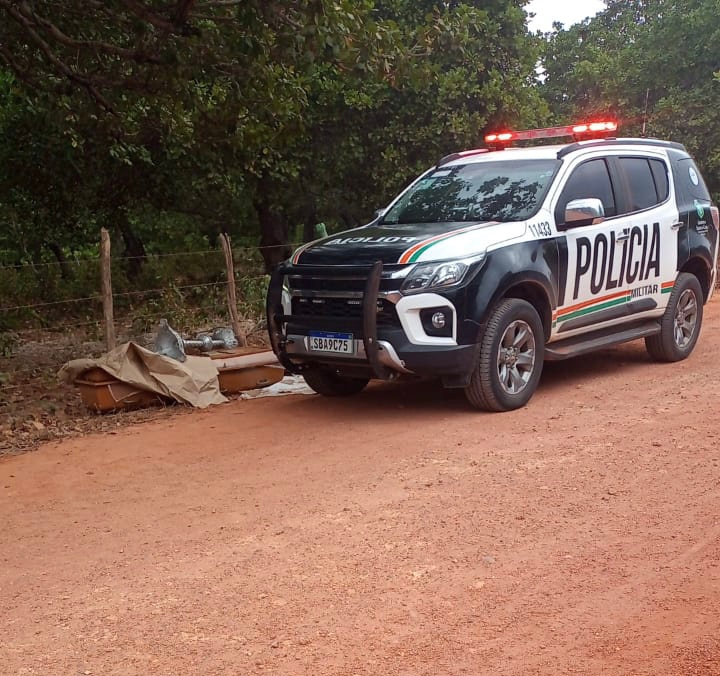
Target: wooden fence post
{"points": [[106, 284], [231, 290]]}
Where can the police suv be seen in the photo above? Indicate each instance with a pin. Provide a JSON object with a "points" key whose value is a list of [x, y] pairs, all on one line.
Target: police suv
{"points": [[500, 258]]}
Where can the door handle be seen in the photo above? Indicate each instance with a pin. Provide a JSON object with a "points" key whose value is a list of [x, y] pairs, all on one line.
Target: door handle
{"points": [[622, 238], [676, 226]]}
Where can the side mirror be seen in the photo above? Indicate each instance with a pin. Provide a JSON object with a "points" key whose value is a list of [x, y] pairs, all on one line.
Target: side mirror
{"points": [[379, 213], [583, 211]]}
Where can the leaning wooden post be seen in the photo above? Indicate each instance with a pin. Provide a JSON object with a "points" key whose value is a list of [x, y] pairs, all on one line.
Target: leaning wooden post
{"points": [[231, 290], [107, 296]]}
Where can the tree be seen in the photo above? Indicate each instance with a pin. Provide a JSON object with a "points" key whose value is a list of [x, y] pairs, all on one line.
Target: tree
{"points": [[649, 62], [463, 67], [250, 117], [167, 102]]}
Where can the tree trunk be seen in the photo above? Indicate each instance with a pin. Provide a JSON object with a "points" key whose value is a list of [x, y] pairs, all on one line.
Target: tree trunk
{"points": [[60, 258], [309, 231], [134, 247], [310, 221], [273, 230]]}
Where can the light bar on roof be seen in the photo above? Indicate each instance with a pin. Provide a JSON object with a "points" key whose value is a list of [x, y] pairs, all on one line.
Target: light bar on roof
{"points": [[585, 130], [599, 127]]}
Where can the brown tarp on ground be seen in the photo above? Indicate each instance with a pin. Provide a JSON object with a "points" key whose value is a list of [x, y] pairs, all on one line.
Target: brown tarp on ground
{"points": [[193, 382]]}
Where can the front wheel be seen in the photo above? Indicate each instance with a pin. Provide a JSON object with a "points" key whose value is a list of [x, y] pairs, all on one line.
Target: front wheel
{"points": [[510, 360], [680, 325], [330, 384]]}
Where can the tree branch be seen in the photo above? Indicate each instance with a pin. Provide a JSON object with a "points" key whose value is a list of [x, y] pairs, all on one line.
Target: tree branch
{"points": [[182, 11], [131, 54], [222, 3], [176, 27], [19, 72], [212, 17], [47, 51]]}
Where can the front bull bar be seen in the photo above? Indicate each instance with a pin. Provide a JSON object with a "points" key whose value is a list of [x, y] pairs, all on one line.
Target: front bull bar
{"points": [[276, 320]]}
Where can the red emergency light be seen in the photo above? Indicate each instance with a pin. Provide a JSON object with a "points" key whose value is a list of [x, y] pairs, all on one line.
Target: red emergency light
{"points": [[583, 131], [501, 138]]}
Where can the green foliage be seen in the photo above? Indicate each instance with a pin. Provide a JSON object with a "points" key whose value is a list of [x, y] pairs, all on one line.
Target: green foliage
{"points": [[653, 64], [187, 310], [462, 69], [250, 118]]}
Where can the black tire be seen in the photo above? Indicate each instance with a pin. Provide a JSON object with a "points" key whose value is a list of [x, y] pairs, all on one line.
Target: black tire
{"points": [[680, 325], [501, 381], [330, 384]]}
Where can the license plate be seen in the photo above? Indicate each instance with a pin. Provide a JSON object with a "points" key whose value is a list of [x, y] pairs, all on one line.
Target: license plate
{"points": [[337, 343]]}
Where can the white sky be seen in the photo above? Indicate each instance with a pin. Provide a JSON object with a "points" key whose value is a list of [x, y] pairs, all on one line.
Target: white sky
{"points": [[567, 12]]}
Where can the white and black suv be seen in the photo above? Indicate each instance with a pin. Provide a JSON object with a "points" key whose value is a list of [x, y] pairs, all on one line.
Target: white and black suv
{"points": [[500, 258]]}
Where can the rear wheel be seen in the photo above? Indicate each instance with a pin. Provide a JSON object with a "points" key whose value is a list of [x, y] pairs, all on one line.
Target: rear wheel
{"points": [[330, 384], [511, 358], [680, 325]]}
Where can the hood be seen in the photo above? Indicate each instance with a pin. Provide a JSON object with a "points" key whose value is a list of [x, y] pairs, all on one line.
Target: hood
{"points": [[404, 243]]}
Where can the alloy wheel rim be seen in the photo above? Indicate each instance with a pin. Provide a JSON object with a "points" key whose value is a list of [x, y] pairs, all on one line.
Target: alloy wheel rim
{"points": [[516, 357], [685, 318]]}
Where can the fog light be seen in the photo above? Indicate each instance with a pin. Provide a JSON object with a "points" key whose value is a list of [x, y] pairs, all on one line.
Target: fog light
{"points": [[438, 320]]}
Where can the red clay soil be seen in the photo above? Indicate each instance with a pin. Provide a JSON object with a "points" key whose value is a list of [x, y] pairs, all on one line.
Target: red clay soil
{"points": [[397, 532]]}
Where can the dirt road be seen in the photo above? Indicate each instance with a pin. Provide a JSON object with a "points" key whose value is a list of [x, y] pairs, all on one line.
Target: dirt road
{"points": [[397, 532]]}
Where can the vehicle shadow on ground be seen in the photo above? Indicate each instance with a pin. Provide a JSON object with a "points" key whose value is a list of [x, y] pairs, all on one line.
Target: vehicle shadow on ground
{"points": [[629, 360], [387, 400], [427, 397]]}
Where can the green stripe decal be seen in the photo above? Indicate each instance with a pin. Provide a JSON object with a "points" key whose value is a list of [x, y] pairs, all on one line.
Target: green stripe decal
{"points": [[595, 308], [422, 250]]}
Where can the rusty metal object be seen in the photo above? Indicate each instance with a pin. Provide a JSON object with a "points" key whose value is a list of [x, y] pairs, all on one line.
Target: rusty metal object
{"points": [[170, 343]]}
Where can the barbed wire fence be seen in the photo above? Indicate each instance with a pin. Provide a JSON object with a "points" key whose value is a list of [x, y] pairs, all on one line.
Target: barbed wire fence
{"points": [[39, 298], [54, 311]]}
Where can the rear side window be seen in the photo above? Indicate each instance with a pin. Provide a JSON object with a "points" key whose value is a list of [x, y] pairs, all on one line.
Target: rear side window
{"points": [[639, 180], [660, 174], [691, 180], [590, 179]]}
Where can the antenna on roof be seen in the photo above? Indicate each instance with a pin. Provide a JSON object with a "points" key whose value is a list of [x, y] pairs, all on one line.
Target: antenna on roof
{"points": [[647, 98]]}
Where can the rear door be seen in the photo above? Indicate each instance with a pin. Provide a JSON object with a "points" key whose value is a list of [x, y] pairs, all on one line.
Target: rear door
{"points": [[650, 206]]}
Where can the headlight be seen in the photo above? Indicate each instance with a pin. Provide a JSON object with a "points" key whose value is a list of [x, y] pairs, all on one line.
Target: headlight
{"points": [[429, 276]]}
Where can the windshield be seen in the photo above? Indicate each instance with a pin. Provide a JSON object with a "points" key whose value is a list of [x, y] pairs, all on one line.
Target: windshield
{"points": [[509, 190]]}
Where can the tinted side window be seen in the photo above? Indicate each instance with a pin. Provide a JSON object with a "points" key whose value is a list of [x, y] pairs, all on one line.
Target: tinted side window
{"points": [[639, 182], [660, 174], [692, 180], [590, 179]]}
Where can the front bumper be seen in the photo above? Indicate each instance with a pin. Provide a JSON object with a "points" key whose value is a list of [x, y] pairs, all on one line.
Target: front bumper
{"points": [[380, 352]]}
